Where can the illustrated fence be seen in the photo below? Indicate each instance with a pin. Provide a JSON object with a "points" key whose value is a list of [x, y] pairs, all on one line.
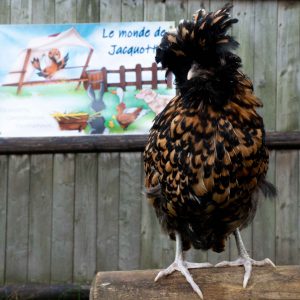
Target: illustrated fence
{"points": [[138, 82]]}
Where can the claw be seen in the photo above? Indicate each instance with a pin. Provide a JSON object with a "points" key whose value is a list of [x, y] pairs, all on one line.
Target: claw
{"points": [[247, 262]]}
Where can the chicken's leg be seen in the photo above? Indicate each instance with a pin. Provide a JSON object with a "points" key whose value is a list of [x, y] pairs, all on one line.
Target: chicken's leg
{"points": [[244, 259], [182, 266]]}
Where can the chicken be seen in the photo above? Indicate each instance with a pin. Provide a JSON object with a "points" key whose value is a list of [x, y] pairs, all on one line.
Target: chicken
{"points": [[206, 158], [56, 63], [126, 118]]}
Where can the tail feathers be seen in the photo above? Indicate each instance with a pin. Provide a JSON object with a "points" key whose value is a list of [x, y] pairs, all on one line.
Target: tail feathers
{"points": [[267, 188]]}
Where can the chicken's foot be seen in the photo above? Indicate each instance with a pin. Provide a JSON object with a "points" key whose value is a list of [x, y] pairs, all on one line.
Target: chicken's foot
{"points": [[244, 259], [182, 266]]}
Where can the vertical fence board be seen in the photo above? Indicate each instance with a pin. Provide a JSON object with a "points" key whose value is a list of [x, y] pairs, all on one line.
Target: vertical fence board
{"points": [[287, 174], [85, 216], [176, 10], [130, 210], [132, 10], [108, 211], [288, 65], [43, 11], [195, 5], [265, 59], [65, 11], [154, 10], [17, 219], [63, 218], [21, 11], [110, 11], [5, 11], [87, 11], [40, 218], [3, 213], [264, 223]]}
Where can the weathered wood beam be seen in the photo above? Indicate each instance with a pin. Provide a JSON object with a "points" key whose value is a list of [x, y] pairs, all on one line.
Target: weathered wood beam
{"points": [[215, 283], [114, 143], [43, 291]]}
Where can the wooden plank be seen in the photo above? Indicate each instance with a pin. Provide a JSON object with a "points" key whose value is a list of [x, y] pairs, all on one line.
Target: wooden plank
{"points": [[63, 218], [85, 217], [40, 218], [5, 6], [176, 10], [88, 11], [65, 11], [17, 219], [264, 223], [215, 283], [288, 66], [157, 250], [3, 213], [132, 10], [43, 11], [130, 211], [108, 211], [287, 213], [265, 76], [21, 11], [110, 11], [244, 33], [119, 143], [154, 10]]}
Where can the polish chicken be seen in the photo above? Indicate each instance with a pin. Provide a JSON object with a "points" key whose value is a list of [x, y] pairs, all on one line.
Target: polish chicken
{"points": [[206, 157]]}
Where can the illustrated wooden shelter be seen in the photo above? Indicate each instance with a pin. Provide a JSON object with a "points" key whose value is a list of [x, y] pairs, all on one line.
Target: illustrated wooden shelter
{"points": [[22, 70]]}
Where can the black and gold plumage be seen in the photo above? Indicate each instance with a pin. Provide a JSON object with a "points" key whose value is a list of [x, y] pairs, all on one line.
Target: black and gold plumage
{"points": [[206, 156]]}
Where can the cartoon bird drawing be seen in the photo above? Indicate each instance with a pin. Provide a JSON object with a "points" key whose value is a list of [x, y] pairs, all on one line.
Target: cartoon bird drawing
{"points": [[56, 63], [206, 157]]}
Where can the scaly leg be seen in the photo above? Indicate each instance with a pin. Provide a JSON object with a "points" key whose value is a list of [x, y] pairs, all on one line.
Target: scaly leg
{"points": [[182, 266], [244, 259]]}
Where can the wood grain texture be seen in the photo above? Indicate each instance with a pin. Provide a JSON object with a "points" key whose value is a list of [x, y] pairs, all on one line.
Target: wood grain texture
{"points": [[65, 11], [176, 10], [17, 219], [132, 10], [43, 11], [3, 213], [287, 212], [63, 218], [88, 11], [108, 211], [110, 10], [40, 218], [5, 11], [130, 211], [215, 283], [21, 11], [85, 217], [154, 10], [288, 66]]}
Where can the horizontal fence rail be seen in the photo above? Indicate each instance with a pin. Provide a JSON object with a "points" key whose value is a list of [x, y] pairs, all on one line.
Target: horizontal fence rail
{"points": [[120, 143]]}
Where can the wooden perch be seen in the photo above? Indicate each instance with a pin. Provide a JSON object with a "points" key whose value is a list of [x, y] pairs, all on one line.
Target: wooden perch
{"points": [[215, 283]]}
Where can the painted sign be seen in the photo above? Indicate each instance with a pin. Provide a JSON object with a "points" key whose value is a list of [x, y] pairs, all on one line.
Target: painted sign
{"points": [[77, 79]]}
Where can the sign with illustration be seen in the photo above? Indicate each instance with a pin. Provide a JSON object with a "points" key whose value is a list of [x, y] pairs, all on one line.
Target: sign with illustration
{"points": [[77, 79]]}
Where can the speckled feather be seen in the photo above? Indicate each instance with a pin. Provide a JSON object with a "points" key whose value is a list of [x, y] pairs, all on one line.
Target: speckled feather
{"points": [[206, 153]]}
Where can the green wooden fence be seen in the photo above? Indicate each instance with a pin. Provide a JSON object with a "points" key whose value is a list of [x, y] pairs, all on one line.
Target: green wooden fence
{"points": [[65, 216]]}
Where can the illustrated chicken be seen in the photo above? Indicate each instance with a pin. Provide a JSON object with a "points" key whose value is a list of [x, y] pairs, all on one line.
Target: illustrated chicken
{"points": [[56, 64], [206, 158], [125, 118]]}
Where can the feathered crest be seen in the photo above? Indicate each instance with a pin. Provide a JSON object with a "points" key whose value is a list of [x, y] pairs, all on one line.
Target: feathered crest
{"points": [[203, 40]]}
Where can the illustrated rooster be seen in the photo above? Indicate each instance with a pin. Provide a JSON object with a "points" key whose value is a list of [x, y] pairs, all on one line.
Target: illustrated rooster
{"points": [[206, 157], [56, 64]]}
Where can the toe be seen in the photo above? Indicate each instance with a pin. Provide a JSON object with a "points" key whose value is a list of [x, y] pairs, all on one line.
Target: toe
{"points": [[248, 269]]}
